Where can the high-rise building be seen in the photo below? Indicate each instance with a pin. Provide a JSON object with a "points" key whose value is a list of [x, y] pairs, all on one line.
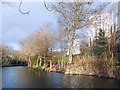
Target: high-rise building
{"points": [[96, 22], [119, 15], [118, 21], [75, 48], [118, 30]]}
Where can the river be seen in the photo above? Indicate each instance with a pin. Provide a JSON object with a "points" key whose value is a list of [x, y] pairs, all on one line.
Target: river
{"points": [[24, 77]]}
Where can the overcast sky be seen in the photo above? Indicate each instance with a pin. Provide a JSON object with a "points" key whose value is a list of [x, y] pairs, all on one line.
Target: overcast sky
{"points": [[16, 26]]}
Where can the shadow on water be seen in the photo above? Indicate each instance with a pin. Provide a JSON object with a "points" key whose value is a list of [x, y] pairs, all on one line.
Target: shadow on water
{"points": [[24, 77]]}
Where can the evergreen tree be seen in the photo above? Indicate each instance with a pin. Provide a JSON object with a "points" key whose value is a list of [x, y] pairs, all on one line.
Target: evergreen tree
{"points": [[100, 42]]}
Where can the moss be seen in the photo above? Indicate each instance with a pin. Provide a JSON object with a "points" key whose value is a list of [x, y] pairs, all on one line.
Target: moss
{"points": [[38, 68]]}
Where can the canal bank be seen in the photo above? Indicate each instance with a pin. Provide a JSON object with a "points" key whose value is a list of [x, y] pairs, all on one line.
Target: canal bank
{"points": [[88, 72], [99, 68], [82, 70]]}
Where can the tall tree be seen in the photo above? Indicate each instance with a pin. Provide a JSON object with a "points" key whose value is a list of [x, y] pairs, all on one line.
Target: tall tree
{"points": [[100, 44], [74, 16]]}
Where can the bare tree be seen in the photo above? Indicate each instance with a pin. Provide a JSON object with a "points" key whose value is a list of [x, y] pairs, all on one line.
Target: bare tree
{"points": [[6, 53], [74, 16], [27, 47], [39, 45]]}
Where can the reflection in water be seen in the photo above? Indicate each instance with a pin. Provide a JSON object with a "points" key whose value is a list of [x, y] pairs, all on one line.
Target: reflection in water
{"points": [[24, 77]]}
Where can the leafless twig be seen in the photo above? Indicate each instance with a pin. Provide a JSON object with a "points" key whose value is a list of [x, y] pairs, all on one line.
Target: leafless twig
{"points": [[20, 9], [47, 7]]}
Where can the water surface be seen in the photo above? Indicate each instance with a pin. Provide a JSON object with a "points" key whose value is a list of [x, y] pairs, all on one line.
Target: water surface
{"points": [[24, 77]]}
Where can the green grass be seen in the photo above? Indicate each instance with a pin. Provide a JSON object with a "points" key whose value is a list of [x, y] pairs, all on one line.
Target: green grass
{"points": [[59, 58]]}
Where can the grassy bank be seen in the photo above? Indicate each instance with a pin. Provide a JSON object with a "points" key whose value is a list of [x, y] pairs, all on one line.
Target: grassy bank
{"points": [[94, 67], [38, 68]]}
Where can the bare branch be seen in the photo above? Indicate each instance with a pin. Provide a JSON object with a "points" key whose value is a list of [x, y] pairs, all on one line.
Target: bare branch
{"points": [[20, 9], [47, 7]]}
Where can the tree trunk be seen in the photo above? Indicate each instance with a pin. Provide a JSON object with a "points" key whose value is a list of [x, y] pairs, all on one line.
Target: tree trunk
{"points": [[40, 61], [19, 58], [112, 58], [51, 57], [62, 62], [50, 64], [70, 55], [37, 61], [44, 58], [64, 65], [59, 64], [71, 46], [29, 62], [67, 64]]}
